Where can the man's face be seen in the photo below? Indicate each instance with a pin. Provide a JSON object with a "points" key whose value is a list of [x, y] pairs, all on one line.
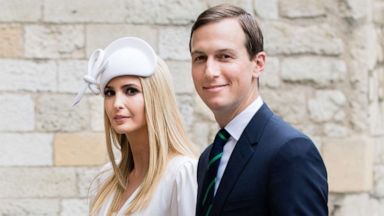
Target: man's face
{"points": [[223, 74]]}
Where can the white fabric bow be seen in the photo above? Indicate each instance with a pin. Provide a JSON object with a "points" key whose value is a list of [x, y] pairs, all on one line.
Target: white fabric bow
{"points": [[95, 66]]}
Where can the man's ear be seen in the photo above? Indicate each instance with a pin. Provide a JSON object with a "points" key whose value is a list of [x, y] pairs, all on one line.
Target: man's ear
{"points": [[259, 61]]}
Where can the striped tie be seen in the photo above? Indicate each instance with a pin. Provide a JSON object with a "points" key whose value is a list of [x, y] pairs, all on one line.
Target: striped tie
{"points": [[210, 177]]}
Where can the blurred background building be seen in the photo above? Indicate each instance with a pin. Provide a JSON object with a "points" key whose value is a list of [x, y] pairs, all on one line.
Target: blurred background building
{"points": [[325, 75]]}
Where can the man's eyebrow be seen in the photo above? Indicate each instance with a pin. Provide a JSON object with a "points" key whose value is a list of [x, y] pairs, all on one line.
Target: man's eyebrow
{"points": [[196, 52]]}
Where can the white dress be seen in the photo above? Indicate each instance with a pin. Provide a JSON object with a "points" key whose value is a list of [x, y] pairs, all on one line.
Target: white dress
{"points": [[175, 195]]}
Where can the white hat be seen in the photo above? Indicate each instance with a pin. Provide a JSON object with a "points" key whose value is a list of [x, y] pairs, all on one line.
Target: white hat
{"points": [[124, 56]]}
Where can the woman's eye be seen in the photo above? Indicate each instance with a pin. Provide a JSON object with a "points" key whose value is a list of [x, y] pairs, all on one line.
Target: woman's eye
{"points": [[108, 92], [131, 91]]}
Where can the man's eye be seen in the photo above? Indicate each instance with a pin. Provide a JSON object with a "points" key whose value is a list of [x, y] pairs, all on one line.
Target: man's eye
{"points": [[199, 58]]}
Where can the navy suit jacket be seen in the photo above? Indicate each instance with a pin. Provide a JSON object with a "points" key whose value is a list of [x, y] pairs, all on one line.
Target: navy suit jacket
{"points": [[273, 170]]}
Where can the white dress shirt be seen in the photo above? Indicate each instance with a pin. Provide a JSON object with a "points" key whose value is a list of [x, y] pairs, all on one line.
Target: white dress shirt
{"points": [[235, 128]]}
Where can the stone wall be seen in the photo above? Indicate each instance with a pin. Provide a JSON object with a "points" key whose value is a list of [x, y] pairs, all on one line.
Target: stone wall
{"points": [[325, 75]]}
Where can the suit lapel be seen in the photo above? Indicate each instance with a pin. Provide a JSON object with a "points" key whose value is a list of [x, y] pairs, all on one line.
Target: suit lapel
{"points": [[202, 170], [241, 155]]}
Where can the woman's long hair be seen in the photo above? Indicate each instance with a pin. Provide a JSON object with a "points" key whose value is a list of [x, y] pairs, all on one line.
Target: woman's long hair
{"points": [[166, 136]]}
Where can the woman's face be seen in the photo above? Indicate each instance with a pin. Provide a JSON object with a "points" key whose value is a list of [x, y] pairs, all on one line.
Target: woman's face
{"points": [[124, 104]]}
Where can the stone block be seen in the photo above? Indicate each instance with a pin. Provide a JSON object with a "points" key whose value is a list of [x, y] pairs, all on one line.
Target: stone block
{"points": [[352, 173], [267, 9], [79, 149], [358, 205], [40, 182], [182, 76], [97, 113], [71, 207], [108, 33], [70, 75], [378, 12], [85, 177], [23, 75], [20, 10], [379, 149], [313, 70], [92, 11], [336, 130], [163, 12], [245, 4], [185, 105], [283, 38], [54, 41], [55, 113], [301, 9], [271, 75], [289, 104], [174, 43], [11, 41], [327, 105], [200, 135], [26, 149], [356, 9], [30, 207], [378, 181], [17, 113]]}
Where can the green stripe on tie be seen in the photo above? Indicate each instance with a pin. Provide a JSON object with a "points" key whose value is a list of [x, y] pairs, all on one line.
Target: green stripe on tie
{"points": [[209, 210], [217, 157], [222, 136], [209, 188]]}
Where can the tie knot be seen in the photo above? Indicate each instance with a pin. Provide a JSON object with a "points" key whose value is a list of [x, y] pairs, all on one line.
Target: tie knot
{"points": [[222, 136]]}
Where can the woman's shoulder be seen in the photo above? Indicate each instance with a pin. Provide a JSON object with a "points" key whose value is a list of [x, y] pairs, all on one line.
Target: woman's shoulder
{"points": [[180, 166]]}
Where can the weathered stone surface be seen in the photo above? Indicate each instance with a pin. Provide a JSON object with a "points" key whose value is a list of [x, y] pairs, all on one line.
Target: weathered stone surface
{"points": [[11, 40], [85, 177], [378, 12], [79, 149], [30, 207], [336, 130], [174, 42], [17, 113], [378, 181], [327, 105], [358, 205], [185, 105], [22, 75], [283, 38], [317, 70], [182, 76], [267, 9], [300, 8], [352, 173], [54, 41], [108, 33], [55, 113], [271, 75], [163, 12], [20, 10], [70, 75], [97, 113], [92, 11], [356, 9], [290, 105], [25, 149], [37, 182], [71, 207]]}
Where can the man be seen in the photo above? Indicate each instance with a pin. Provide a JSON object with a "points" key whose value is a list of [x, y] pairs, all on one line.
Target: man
{"points": [[266, 167]]}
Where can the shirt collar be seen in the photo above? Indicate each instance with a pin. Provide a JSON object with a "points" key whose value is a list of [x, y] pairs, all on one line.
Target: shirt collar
{"points": [[237, 125]]}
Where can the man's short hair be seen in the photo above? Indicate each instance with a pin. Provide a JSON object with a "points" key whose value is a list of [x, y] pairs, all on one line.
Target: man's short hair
{"points": [[253, 35]]}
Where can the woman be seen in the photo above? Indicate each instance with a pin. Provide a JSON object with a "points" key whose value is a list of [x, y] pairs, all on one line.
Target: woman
{"points": [[156, 172]]}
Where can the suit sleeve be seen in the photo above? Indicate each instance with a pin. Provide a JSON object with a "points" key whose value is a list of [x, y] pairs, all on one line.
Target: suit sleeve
{"points": [[298, 184]]}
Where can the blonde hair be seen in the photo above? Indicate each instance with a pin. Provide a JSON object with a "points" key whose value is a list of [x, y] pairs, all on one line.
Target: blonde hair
{"points": [[166, 136]]}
